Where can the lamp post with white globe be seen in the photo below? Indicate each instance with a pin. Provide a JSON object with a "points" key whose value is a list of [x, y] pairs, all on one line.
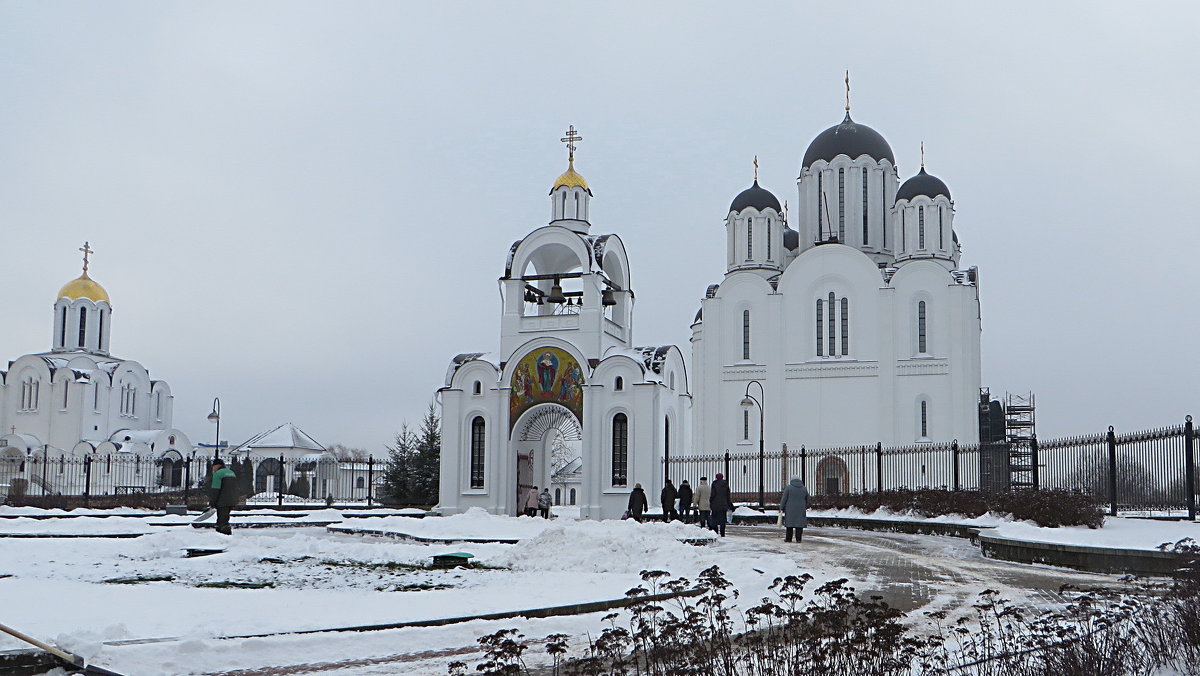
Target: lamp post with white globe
{"points": [[748, 401]]}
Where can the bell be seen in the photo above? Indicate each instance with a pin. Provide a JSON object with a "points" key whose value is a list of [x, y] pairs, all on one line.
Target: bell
{"points": [[606, 298], [556, 293]]}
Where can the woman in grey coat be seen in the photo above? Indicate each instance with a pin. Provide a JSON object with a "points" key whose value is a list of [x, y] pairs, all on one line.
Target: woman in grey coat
{"points": [[794, 503]]}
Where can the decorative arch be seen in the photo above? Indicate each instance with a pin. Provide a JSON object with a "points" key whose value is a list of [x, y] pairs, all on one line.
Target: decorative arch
{"points": [[833, 476]]}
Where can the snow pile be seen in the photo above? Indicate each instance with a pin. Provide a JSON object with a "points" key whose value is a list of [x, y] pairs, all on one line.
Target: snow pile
{"points": [[1117, 532], [473, 524], [606, 547], [883, 514]]}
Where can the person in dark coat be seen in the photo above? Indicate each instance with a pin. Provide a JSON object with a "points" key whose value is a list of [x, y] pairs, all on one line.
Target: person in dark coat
{"points": [[637, 503], [794, 503], [223, 494], [685, 501], [667, 497], [544, 501], [720, 501]]}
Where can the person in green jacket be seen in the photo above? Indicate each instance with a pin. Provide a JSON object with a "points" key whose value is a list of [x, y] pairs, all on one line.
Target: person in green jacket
{"points": [[223, 494]]}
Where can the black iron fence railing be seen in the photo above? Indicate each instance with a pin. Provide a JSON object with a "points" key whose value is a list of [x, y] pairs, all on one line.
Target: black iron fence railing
{"points": [[262, 480], [1152, 470]]}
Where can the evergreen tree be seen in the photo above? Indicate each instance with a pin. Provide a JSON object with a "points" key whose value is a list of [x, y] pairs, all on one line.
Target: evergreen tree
{"points": [[414, 462]]}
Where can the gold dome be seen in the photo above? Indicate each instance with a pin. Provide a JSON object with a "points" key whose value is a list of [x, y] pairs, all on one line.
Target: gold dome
{"points": [[84, 287], [571, 179]]}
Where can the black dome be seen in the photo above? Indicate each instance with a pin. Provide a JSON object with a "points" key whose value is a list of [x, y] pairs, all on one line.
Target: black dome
{"points": [[850, 139], [922, 184], [791, 239], [757, 197]]}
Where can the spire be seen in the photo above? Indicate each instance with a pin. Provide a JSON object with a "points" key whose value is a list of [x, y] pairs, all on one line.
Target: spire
{"points": [[756, 168], [922, 156]]}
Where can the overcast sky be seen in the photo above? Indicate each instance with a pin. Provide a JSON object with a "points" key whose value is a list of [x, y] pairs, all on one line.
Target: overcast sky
{"points": [[303, 207]]}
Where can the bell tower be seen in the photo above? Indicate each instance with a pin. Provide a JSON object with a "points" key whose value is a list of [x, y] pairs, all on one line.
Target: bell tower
{"points": [[570, 198]]}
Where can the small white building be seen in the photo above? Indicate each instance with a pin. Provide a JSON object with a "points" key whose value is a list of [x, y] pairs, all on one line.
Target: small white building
{"points": [[78, 398], [854, 318], [568, 402]]}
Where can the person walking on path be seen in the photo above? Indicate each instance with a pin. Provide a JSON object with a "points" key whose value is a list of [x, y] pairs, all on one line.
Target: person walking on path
{"points": [[544, 501], [720, 501], [637, 503], [667, 497], [223, 494], [703, 495], [531, 502], [685, 501], [794, 503]]}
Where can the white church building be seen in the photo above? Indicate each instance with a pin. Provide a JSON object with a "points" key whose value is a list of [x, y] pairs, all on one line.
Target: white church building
{"points": [[849, 320], [568, 402], [78, 398]]}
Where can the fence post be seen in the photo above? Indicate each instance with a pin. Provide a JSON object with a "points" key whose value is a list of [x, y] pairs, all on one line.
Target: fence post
{"points": [[1033, 463], [1112, 471], [370, 477], [87, 480], [727, 475], [879, 466], [1189, 472], [954, 451], [803, 466], [279, 484], [784, 465], [187, 480]]}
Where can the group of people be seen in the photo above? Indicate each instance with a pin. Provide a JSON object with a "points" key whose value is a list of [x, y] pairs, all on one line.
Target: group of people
{"points": [[713, 503], [710, 502], [537, 504]]}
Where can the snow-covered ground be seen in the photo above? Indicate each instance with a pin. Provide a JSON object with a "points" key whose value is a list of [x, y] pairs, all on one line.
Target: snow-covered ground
{"points": [[1117, 532]]}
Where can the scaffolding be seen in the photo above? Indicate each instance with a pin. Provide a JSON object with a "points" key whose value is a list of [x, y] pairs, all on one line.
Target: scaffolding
{"points": [[1020, 431]]}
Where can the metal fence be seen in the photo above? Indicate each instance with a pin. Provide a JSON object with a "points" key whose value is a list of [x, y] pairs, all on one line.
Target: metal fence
{"points": [[1153, 470], [262, 480]]}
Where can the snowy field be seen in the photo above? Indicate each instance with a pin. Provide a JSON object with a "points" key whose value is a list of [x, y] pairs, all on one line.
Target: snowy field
{"points": [[95, 595]]}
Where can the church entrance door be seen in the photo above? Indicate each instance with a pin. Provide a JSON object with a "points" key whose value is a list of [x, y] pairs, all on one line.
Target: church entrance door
{"points": [[548, 448]]}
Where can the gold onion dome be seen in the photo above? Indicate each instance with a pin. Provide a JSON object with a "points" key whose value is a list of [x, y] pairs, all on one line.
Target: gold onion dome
{"points": [[571, 179], [84, 287]]}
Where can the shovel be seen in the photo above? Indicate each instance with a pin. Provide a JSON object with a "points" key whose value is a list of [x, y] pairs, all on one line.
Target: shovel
{"points": [[206, 514], [70, 658]]}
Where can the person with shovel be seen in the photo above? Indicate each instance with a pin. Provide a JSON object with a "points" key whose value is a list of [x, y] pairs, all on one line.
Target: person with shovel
{"points": [[223, 494]]}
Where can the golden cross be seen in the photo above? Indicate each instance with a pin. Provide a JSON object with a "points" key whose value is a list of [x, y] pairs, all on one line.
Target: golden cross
{"points": [[86, 251], [847, 91], [570, 139], [756, 168]]}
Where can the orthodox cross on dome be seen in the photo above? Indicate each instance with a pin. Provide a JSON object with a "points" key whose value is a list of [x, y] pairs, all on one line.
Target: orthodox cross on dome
{"points": [[847, 92], [922, 154], [756, 168], [87, 250], [570, 139]]}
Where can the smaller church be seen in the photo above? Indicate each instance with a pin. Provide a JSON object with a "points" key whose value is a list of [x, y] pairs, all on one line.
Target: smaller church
{"points": [[568, 403], [78, 398]]}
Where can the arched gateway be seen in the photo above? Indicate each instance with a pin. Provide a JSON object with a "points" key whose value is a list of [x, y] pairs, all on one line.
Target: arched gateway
{"points": [[541, 411]]}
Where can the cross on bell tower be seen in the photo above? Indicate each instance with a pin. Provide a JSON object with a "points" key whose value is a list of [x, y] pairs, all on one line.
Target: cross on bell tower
{"points": [[87, 250], [570, 139]]}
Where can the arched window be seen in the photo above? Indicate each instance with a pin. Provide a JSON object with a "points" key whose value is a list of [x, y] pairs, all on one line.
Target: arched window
{"points": [[866, 237], [845, 326], [478, 389], [62, 332], [832, 329], [478, 442], [100, 330], [620, 450], [820, 204], [768, 239], [841, 205], [749, 238], [360, 482], [557, 496], [903, 230], [941, 228], [922, 345], [82, 325], [920, 227], [820, 327], [883, 211], [66, 393], [619, 384], [29, 394], [576, 193], [924, 419], [572, 496], [745, 425], [746, 334]]}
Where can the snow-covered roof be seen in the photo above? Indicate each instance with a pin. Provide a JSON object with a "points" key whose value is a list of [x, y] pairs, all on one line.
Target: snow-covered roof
{"points": [[135, 436], [654, 356], [460, 359], [286, 435]]}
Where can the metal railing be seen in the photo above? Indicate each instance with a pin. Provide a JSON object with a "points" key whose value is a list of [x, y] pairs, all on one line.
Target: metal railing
{"points": [[1152, 470]]}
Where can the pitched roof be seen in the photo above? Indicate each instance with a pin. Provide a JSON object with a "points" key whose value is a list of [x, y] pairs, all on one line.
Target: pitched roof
{"points": [[286, 435]]}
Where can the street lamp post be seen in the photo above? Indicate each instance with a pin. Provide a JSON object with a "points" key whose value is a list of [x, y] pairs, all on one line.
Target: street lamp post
{"points": [[215, 416], [749, 401]]}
